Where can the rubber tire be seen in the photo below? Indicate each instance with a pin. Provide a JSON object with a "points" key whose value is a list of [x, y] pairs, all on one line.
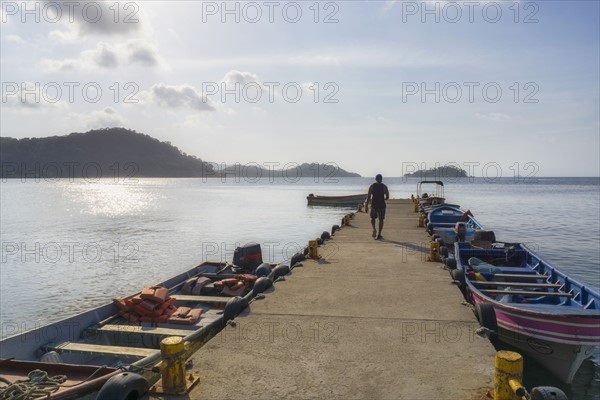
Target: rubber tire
{"points": [[458, 275], [334, 229], [320, 241], [261, 284], [547, 393], [443, 251], [325, 235], [263, 269], [234, 306], [430, 229], [124, 386], [280, 270], [435, 236], [486, 316], [296, 258], [450, 263]]}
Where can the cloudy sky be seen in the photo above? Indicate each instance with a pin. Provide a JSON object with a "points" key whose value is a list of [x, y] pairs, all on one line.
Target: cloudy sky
{"points": [[373, 86]]}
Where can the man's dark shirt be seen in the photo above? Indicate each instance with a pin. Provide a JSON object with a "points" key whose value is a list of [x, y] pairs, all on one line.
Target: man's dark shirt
{"points": [[378, 191]]}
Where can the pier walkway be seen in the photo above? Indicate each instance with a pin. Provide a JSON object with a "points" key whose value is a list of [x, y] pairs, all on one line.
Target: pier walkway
{"points": [[370, 320]]}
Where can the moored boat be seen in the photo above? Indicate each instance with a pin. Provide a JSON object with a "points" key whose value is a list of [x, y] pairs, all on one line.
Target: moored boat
{"points": [[524, 301], [336, 201], [125, 335]]}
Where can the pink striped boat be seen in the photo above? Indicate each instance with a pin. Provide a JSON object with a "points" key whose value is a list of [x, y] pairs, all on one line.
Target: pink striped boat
{"points": [[522, 300]]}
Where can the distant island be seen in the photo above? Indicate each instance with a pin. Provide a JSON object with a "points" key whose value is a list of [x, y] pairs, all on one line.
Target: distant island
{"points": [[124, 153], [439, 172]]}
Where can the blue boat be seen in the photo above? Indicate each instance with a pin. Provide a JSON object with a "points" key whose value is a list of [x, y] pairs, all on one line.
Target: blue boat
{"points": [[451, 224], [524, 301]]}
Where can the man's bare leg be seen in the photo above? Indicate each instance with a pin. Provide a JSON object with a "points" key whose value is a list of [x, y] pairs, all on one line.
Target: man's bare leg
{"points": [[373, 225], [380, 227]]}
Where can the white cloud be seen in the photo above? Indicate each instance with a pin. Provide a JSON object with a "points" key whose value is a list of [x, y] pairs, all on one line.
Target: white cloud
{"points": [[105, 118], [14, 39], [32, 96], [182, 96], [498, 117], [108, 56], [97, 18]]}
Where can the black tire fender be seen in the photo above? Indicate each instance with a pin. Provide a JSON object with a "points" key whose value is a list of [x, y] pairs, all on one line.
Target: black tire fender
{"points": [[124, 386], [547, 393], [263, 269], [443, 251], [486, 316], [261, 284], [325, 235], [280, 270], [450, 263], [296, 258], [234, 306]]}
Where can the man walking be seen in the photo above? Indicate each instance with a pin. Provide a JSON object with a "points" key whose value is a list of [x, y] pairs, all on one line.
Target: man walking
{"points": [[379, 193]]}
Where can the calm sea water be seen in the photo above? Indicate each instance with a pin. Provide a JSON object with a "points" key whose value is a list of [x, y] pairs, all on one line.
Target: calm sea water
{"points": [[68, 246]]}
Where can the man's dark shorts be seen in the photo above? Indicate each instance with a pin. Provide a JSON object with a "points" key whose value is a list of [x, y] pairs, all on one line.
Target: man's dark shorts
{"points": [[378, 213]]}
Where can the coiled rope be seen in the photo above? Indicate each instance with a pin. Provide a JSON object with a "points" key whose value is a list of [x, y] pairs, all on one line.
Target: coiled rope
{"points": [[38, 384]]}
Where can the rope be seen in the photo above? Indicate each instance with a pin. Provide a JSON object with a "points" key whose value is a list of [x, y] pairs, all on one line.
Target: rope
{"points": [[38, 384]]}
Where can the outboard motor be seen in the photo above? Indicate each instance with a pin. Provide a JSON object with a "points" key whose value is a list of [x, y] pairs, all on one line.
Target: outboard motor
{"points": [[247, 258], [461, 231]]}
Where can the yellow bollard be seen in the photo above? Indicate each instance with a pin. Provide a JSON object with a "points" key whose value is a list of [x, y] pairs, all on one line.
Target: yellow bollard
{"points": [[346, 219], [172, 351], [421, 221], [417, 207], [313, 249], [508, 375], [360, 208], [434, 252]]}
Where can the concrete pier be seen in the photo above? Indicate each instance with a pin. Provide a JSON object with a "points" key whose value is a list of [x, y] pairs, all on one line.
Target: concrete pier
{"points": [[370, 320]]}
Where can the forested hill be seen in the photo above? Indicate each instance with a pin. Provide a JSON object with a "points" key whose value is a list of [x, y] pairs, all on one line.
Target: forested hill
{"points": [[122, 153], [104, 152]]}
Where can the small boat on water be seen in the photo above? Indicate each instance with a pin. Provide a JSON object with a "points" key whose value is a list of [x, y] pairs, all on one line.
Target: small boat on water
{"points": [[430, 199], [89, 349], [452, 224], [336, 201], [524, 301]]}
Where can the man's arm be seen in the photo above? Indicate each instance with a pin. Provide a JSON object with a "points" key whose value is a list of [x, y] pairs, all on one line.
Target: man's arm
{"points": [[368, 198], [386, 192]]}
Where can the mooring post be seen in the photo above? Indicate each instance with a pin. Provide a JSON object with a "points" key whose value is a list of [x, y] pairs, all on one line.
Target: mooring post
{"points": [[508, 376], [172, 351]]}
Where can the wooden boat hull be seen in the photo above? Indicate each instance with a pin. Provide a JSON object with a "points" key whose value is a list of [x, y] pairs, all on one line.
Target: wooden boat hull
{"points": [[337, 201], [101, 336], [560, 344], [77, 376], [558, 326]]}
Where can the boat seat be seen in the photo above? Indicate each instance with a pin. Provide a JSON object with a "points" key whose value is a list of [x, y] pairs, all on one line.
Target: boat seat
{"points": [[88, 348], [518, 284], [526, 293], [142, 330], [201, 299]]}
